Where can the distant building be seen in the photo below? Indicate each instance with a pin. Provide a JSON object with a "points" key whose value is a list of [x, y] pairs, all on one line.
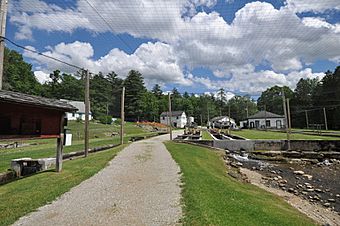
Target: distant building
{"points": [[264, 119], [80, 114], [178, 119], [222, 122]]}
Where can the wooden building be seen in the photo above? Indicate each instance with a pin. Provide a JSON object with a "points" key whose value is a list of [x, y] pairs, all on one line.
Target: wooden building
{"points": [[25, 116]]}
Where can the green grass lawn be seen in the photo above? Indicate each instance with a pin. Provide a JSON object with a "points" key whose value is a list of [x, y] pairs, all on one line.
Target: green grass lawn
{"points": [[211, 197], [270, 135], [47, 147], [206, 135], [25, 195]]}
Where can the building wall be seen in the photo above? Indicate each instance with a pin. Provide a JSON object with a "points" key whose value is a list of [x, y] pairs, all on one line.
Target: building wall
{"points": [[262, 124], [178, 122], [75, 116], [29, 120]]}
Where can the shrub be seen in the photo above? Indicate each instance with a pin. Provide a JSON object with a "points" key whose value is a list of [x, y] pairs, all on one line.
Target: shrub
{"points": [[104, 119]]}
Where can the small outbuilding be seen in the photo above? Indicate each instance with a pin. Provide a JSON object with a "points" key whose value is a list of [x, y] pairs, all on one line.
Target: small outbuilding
{"points": [[79, 114], [25, 116], [178, 119], [264, 120]]}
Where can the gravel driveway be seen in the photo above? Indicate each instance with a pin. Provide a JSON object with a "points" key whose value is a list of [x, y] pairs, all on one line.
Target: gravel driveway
{"points": [[139, 187]]}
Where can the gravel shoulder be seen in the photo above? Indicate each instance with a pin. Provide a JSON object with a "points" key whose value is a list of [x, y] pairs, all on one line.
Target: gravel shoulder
{"points": [[141, 186]]}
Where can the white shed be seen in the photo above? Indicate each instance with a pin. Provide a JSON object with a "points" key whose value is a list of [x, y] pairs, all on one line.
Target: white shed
{"points": [[178, 119], [80, 114], [266, 119]]}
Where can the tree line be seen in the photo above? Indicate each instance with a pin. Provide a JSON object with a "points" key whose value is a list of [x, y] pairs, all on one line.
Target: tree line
{"points": [[310, 95]]}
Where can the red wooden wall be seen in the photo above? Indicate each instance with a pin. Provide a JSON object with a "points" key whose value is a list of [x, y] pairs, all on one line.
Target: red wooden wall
{"points": [[23, 121]]}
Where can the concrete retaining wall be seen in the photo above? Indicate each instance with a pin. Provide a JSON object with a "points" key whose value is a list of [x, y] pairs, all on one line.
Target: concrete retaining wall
{"points": [[273, 145]]}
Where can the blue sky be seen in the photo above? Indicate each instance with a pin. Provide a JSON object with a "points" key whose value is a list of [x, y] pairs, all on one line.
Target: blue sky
{"points": [[194, 45]]}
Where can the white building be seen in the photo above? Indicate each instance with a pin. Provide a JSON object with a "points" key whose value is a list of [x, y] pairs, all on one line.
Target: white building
{"points": [[178, 119], [264, 120], [222, 122], [80, 114]]}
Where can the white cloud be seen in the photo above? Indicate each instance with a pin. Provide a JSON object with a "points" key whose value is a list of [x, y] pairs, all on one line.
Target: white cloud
{"points": [[42, 77], [313, 5], [259, 35], [256, 82], [156, 61]]}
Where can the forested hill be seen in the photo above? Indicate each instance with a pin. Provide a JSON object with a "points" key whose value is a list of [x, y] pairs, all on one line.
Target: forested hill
{"points": [[310, 95]]}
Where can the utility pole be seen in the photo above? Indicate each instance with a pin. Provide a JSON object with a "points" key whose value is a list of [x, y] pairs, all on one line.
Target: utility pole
{"points": [[87, 111], [265, 117], [286, 118], [170, 115], [325, 116], [122, 116], [289, 122], [307, 124], [229, 119], [3, 16], [208, 112]]}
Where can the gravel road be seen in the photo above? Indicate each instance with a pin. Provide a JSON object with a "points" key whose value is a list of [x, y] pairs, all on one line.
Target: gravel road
{"points": [[139, 187]]}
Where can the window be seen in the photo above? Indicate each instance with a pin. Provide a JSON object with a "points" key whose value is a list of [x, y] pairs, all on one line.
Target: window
{"points": [[73, 114], [268, 123], [163, 118], [177, 117]]}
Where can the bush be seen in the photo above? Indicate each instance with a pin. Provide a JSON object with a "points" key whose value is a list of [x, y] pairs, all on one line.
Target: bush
{"points": [[105, 119]]}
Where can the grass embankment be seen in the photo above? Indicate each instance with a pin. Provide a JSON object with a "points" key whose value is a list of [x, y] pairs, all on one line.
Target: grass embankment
{"points": [[206, 135], [270, 135], [25, 195], [99, 136], [213, 198]]}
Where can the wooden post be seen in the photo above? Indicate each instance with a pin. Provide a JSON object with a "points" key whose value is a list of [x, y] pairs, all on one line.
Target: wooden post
{"points": [[122, 115], [286, 118], [325, 116], [229, 119], [307, 124], [170, 115], [265, 117], [289, 123], [60, 143], [3, 16], [87, 111]]}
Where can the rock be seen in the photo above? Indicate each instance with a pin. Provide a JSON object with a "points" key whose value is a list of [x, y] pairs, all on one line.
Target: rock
{"points": [[310, 190], [331, 200], [282, 185], [337, 195], [239, 164], [309, 177], [318, 190], [279, 177], [273, 172], [304, 192], [283, 181], [253, 168], [316, 197], [291, 190], [309, 186], [327, 204], [276, 179], [299, 172]]}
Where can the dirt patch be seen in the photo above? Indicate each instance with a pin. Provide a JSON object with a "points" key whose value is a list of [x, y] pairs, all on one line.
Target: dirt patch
{"points": [[315, 211]]}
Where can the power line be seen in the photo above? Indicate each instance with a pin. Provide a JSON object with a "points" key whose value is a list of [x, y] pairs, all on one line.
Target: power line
{"points": [[41, 54]]}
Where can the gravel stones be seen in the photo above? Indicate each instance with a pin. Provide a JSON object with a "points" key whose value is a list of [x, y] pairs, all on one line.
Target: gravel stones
{"points": [[141, 186]]}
